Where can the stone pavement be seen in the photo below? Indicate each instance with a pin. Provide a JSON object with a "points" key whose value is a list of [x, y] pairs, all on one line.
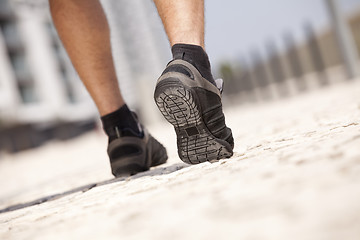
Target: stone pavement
{"points": [[295, 174]]}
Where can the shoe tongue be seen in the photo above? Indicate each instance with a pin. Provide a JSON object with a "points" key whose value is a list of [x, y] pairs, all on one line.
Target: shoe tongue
{"points": [[219, 84]]}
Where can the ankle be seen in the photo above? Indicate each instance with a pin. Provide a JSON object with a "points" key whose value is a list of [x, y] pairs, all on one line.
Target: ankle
{"points": [[121, 123], [195, 55]]}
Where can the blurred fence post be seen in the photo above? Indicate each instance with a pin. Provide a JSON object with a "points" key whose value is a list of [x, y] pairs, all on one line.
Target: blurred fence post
{"points": [[315, 53], [345, 39], [276, 68], [294, 61], [260, 74], [246, 79]]}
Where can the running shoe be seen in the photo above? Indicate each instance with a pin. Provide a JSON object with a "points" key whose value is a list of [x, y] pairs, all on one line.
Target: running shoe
{"points": [[193, 106], [131, 154]]}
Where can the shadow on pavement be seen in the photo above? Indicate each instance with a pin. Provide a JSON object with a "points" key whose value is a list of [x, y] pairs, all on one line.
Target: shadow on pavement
{"points": [[153, 172]]}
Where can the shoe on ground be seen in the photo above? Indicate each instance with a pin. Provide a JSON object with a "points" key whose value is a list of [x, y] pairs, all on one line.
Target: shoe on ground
{"points": [[131, 154], [193, 106]]}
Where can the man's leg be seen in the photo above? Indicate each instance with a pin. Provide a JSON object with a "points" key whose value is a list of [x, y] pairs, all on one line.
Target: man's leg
{"points": [[183, 20], [186, 92], [84, 31]]}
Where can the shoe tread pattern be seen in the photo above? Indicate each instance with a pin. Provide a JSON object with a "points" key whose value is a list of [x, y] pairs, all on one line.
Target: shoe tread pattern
{"points": [[195, 143]]}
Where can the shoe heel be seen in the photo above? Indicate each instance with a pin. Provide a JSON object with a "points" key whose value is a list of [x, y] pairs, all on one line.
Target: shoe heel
{"points": [[179, 106], [124, 168]]}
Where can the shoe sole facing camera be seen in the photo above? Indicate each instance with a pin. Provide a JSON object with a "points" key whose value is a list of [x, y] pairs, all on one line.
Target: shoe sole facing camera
{"points": [[176, 97]]}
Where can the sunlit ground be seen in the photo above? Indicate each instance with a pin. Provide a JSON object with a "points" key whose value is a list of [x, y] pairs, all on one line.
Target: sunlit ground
{"points": [[295, 174]]}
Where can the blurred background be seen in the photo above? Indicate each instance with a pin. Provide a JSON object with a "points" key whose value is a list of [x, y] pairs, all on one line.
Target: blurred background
{"points": [[264, 51]]}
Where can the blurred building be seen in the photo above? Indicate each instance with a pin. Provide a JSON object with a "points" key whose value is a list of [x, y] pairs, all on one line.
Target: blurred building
{"points": [[39, 83], [40, 92]]}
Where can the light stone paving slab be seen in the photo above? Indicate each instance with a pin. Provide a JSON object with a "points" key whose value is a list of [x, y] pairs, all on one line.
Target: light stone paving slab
{"points": [[295, 174]]}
